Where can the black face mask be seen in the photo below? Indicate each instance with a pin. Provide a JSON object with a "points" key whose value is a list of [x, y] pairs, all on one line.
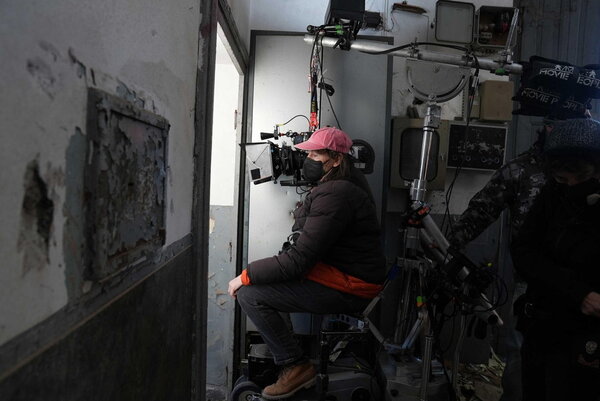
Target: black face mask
{"points": [[579, 192], [312, 170]]}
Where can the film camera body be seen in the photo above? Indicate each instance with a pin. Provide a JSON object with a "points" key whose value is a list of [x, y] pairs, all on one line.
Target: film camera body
{"points": [[280, 159]]}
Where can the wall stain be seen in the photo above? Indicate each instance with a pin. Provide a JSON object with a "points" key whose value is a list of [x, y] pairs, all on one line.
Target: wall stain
{"points": [[49, 48], [37, 211], [43, 75], [80, 67]]}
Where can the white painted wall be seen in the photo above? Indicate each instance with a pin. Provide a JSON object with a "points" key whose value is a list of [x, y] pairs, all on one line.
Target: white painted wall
{"points": [[281, 92], [150, 46], [278, 96], [224, 138]]}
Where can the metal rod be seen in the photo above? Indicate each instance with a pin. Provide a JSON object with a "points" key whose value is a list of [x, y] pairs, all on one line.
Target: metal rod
{"points": [[402, 314], [456, 358], [426, 368], [425, 152], [431, 245], [513, 30], [368, 46], [434, 231]]}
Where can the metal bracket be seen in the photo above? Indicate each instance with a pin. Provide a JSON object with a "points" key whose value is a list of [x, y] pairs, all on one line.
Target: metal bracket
{"points": [[435, 81]]}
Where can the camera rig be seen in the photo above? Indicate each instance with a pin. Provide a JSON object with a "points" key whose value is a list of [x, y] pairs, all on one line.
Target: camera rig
{"points": [[286, 160]]}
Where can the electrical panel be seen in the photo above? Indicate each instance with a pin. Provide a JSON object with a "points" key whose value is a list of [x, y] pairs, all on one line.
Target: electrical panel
{"points": [[480, 146]]}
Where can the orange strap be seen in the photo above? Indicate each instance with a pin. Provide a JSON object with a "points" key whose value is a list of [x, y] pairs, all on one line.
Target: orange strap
{"points": [[331, 277]]}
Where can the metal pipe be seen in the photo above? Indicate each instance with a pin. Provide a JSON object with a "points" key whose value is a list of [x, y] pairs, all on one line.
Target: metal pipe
{"points": [[368, 46], [456, 359], [434, 231], [426, 368], [425, 151]]}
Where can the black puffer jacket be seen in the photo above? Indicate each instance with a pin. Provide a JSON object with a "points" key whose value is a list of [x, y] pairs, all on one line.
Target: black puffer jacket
{"points": [[338, 226]]}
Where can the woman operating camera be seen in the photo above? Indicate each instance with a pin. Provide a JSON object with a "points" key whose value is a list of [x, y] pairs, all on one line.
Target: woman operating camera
{"points": [[335, 264]]}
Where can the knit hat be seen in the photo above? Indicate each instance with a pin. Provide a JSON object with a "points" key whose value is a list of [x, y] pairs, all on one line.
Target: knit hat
{"points": [[574, 135], [327, 138]]}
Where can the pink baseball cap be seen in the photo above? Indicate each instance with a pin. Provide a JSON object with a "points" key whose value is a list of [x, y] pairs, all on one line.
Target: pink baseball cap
{"points": [[327, 138]]}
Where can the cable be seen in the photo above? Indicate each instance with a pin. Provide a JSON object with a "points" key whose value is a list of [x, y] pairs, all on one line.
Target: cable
{"points": [[313, 65], [333, 111], [319, 49], [296, 116], [448, 195], [321, 62]]}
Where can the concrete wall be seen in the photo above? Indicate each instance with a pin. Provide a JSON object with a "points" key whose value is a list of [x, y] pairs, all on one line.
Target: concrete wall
{"points": [[224, 164], [134, 334], [143, 51]]}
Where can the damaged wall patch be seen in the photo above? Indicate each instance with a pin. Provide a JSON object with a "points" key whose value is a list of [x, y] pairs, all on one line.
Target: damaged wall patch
{"points": [[37, 211]]}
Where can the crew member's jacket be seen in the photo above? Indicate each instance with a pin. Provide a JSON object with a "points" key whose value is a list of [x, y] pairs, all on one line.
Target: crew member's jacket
{"points": [[339, 233], [514, 186], [558, 253]]}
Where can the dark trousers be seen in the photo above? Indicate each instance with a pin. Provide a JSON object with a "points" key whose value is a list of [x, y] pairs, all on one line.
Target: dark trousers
{"points": [[549, 373], [262, 304]]}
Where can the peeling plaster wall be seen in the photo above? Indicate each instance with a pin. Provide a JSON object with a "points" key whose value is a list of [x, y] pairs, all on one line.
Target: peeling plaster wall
{"points": [[145, 51], [221, 307]]}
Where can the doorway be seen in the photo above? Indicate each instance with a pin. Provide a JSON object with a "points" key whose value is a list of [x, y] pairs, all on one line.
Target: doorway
{"points": [[223, 224]]}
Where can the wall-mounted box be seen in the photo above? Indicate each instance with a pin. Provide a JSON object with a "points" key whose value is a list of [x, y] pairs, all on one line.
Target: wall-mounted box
{"points": [[124, 184], [495, 100], [458, 22], [407, 137], [493, 25], [454, 21]]}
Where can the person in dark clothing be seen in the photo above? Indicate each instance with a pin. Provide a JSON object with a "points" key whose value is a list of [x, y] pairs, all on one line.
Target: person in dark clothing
{"points": [[335, 265], [513, 187], [557, 252]]}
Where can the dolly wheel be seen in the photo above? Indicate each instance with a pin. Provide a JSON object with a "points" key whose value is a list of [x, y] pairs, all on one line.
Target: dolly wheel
{"points": [[245, 391], [242, 378]]}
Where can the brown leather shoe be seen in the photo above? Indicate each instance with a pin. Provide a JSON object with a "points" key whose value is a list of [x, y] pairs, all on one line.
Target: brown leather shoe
{"points": [[291, 380]]}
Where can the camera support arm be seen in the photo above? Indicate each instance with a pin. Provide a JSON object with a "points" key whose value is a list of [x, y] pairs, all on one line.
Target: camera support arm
{"points": [[501, 66]]}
